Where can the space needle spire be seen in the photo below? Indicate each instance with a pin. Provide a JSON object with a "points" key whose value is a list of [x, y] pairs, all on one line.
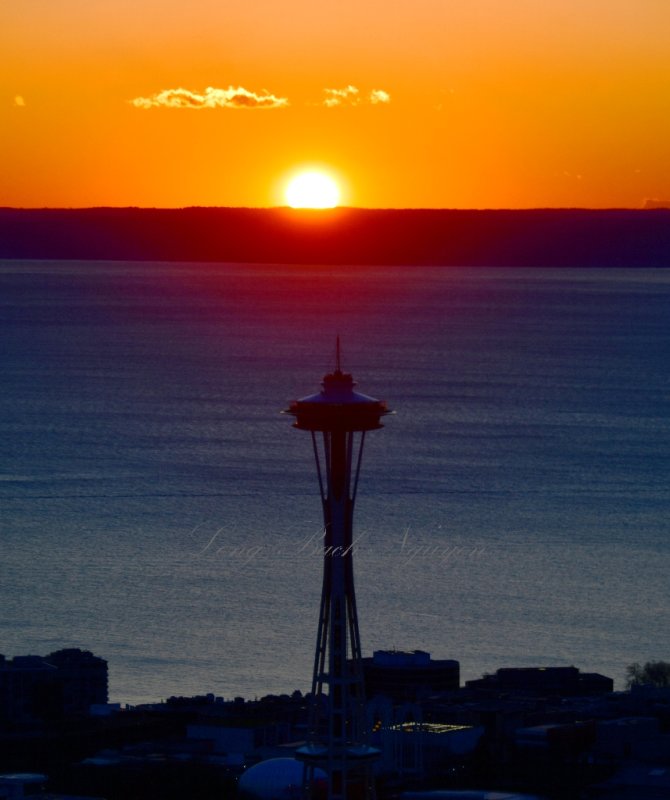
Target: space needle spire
{"points": [[338, 419]]}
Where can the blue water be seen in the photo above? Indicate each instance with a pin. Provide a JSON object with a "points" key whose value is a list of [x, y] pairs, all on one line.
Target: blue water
{"points": [[158, 510]]}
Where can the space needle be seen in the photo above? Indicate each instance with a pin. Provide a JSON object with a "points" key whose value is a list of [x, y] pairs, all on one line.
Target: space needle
{"points": [[338, 419]]}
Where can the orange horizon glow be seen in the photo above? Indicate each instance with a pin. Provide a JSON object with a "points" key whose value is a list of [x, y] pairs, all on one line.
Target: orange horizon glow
{"points": [[426, 105]]}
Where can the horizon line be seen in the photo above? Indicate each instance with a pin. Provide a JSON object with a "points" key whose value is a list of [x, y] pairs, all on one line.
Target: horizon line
{"points": [[653, 206]]}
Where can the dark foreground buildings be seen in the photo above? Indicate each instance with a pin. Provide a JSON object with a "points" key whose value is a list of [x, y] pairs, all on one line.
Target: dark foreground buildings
{"points": [[408, 676], [545, 681], [54, 687], [551, 732]]}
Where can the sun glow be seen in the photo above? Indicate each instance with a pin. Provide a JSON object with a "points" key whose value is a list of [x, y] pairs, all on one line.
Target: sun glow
{"points": [[312, 189]]}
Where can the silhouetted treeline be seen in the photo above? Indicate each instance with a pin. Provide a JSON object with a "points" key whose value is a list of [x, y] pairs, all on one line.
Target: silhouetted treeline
{"points": [[542, 237]]}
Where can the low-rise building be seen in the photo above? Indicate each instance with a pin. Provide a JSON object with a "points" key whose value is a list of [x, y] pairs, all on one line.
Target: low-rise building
{"points": [[35, 689], [408, 676], [557, 681]]}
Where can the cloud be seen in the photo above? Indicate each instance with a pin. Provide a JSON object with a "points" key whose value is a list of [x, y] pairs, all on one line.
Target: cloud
{"points": [[232, 97], [338, 97], [379, 96], [238, 97], [350, 96], [19, 102]]}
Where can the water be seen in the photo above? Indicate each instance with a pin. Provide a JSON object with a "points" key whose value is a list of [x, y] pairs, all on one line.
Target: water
{"points": [[158, 510]]}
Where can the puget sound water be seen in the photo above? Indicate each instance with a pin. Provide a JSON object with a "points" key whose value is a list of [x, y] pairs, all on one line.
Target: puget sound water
{"points": [[158, 510]]}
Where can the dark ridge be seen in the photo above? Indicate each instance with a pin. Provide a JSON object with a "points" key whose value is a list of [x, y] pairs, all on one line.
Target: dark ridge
{"points": [[540, 237]]}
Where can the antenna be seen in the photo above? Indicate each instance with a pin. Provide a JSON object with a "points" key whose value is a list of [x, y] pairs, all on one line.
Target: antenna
{"points": [[338, 367]]}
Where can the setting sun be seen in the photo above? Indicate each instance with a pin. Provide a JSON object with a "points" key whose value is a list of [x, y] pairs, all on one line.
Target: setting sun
{"points": [[312, 189]]}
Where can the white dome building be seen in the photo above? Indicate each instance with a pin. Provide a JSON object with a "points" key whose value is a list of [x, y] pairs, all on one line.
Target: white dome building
{"points": [[276, 779]]}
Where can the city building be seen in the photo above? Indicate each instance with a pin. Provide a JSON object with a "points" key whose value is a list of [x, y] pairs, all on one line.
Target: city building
{"points": [[408, 676], [559, 681], [37, 689]]}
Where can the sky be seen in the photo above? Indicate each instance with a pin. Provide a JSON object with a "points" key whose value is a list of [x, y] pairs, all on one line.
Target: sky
{"points": [[405, 103]]}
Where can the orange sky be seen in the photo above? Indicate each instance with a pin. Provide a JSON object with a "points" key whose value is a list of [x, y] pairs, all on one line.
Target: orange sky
{"points": [[462, 104]]}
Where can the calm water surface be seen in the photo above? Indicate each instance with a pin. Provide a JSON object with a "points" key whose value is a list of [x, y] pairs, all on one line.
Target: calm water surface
{"points": [[158, 510]]}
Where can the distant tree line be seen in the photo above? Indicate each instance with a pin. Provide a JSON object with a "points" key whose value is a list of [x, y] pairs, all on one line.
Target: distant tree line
{"points": [[530, 237], [652, 673]]}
